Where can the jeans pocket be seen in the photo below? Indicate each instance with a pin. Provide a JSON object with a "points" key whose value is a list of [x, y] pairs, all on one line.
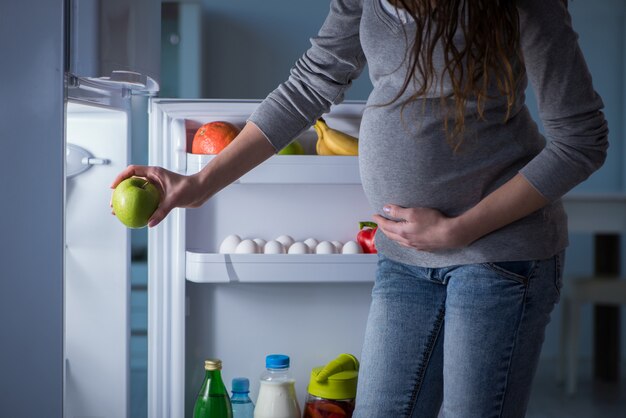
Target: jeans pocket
{"points": [[519, 271]]}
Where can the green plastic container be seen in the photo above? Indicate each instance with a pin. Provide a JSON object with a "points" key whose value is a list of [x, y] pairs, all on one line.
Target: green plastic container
{"points": [[332, 388]]}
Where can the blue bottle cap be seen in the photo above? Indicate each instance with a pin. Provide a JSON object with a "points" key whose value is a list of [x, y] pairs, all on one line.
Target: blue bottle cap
{"points": [[277, 361], [241, 385]]}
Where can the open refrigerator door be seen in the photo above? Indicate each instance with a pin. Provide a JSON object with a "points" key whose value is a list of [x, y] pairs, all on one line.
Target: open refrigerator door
{"points": [[242, 307], [97, 249]]}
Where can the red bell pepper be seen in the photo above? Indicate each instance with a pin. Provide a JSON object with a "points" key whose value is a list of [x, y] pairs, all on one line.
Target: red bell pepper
{"points": [[365, 237]]}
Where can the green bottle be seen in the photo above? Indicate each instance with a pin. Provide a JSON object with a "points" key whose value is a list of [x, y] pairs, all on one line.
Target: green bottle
{"points": [[213, 400]]}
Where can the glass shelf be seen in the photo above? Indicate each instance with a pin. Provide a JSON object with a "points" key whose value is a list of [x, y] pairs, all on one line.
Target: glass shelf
{"points": [[293, 169]]}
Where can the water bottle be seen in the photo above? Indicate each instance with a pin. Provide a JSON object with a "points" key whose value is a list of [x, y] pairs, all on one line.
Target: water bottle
{"points": [[277, 391], [240, 401], [213, 400]]}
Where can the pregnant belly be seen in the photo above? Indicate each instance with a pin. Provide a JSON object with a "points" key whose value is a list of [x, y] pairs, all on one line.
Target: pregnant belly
{"points": [[416, 168]]}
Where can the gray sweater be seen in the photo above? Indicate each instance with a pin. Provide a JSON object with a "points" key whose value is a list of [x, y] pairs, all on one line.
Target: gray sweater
{"points": [[404, 157]]}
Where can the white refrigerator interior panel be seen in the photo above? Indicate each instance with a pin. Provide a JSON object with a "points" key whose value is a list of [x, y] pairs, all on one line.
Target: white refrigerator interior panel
{"points": [[97, 269], [268, 211], [241, 307], [241, 323]]}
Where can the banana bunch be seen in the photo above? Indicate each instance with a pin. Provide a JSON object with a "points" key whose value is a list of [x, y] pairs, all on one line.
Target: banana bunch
{"points": [[333, 142]]}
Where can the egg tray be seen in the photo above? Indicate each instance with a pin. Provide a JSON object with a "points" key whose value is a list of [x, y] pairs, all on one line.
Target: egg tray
{"points": [[279, 268]]}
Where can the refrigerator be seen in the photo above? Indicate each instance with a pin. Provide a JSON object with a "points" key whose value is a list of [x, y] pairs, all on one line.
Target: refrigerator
{"points": [[241, 307], [202, 304]]}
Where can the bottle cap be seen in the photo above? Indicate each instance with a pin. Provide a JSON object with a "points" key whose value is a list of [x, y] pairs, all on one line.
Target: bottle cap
{"points": [[336, 380], [277, 361], [213, 364], [241, 385]]}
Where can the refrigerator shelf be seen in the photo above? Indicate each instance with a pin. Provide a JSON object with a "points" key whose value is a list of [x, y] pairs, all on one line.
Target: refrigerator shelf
{"points": [[293, 169], [280, 268]]}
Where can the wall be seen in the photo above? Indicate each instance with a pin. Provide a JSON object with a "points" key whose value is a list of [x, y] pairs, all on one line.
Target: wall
{"points": [[250, 45], [602, 28]]}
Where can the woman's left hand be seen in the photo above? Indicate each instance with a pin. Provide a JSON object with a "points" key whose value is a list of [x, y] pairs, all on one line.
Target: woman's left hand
{"points": [[423, 229], [430, 230]]}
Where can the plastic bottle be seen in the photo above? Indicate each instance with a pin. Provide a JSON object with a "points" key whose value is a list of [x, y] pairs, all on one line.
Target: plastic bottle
{"points": [[213, 400], [240, 401], [332, 389], [277, 391]]}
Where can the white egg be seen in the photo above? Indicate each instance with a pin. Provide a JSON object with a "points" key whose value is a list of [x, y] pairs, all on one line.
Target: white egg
{"points": [[351, 247], [338, 245], [247, 246], [325, 247], [298, 248], [286, 240], [311, 243], [229, 244], [260, 243], [274, 247]]}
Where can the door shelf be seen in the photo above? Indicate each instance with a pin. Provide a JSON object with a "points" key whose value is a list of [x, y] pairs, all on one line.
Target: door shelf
{"points": [[280, 268], [293, 169]]}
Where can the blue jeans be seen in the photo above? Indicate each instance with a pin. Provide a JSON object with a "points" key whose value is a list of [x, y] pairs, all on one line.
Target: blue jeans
{"points": [[464, 340]]}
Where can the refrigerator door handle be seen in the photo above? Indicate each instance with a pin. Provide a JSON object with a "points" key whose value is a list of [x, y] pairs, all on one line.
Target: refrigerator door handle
{"points": [[79, 160], [94, 161]]}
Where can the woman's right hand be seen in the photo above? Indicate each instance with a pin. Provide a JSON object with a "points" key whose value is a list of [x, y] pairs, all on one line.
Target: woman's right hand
{"points": [[177, 191], [247, 150]]}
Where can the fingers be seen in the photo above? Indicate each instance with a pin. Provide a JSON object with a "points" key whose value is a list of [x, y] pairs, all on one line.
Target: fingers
{"points": [[388, 225], [397, 212], [156, 218], [131, 170], [396, 231], [159, 214]]}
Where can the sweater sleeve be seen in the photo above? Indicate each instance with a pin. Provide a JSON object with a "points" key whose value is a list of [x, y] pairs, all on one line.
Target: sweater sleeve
{"points": [[569, 107], [318, 79]]}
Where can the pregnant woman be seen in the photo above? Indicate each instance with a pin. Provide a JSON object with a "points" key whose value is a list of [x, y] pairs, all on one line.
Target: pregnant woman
{"points": [[465, 189]]}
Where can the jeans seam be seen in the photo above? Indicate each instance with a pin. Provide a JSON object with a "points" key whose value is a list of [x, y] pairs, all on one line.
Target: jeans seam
{"points": [[421, 371], [515, 341], [558, 278]]}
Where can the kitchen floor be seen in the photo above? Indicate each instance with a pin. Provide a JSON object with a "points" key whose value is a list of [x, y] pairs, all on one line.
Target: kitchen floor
{"points": [[548, 400], [593, 399]]}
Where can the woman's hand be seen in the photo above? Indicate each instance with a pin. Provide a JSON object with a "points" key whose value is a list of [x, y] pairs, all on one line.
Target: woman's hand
{"points": [[248, 149], [176, 190], [423, 229], [430, 230]]}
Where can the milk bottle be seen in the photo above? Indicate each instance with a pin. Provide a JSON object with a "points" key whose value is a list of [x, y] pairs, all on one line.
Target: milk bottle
{"points": [[277, 392]]}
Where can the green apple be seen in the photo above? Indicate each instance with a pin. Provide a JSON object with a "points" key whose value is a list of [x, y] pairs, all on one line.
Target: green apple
{"points": [[294, 148], [134, 201]]}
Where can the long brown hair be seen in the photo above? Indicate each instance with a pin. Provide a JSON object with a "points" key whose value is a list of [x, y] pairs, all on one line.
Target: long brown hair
{"points": [[486, 58]]}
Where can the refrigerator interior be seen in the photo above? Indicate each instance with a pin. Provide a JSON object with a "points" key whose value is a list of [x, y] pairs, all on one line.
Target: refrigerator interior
{"points": [[241, 307], [96, 265]]}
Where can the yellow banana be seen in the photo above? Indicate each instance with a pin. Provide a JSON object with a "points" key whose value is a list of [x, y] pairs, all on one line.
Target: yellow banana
{"points": [[322, 148], [339, 143]]}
